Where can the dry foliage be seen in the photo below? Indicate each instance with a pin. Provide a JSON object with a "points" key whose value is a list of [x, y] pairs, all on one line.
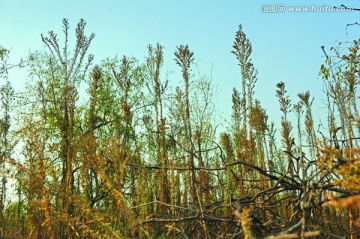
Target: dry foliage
{"points": [[136, 160]]}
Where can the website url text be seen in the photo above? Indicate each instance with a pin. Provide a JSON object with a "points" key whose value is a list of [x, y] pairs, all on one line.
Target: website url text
{"points": [[282, 8]]}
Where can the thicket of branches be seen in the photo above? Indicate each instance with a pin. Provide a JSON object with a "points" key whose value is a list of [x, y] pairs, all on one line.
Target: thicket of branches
{"points": [[132, 158]]}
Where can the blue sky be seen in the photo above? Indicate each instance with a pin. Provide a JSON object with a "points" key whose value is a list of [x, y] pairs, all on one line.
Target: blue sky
{"points": [[286, 45]]}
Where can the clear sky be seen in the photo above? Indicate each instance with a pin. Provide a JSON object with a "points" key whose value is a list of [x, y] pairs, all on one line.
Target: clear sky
{"points": [[286, 45]]}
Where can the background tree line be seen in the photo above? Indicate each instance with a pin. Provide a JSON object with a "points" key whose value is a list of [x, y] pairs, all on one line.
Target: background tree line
{"points": [[129, 157]]}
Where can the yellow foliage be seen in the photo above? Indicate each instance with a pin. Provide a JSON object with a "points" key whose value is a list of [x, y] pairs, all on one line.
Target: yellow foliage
{"points": [[246, 222], [351, 202], [346, 165]]}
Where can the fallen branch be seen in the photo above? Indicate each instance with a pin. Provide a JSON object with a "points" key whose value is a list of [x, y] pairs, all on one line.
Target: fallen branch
{"points": [[296, 235]]}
